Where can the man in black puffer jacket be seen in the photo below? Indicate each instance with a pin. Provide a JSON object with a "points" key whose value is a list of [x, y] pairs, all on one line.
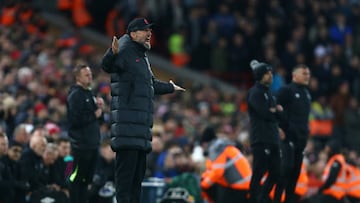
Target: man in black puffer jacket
{"points": [[132, 89]]}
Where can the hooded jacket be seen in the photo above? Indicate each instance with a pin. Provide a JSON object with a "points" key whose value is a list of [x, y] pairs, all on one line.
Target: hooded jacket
{"points": [[84, 129], [132, 89]]}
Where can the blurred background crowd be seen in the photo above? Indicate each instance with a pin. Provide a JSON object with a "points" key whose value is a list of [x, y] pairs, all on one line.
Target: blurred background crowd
{"points": [[216, 38]]}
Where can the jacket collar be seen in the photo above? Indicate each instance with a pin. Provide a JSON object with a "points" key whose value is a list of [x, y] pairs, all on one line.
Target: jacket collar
{"points": [[126, 39], [258, 84], [298, 85]]}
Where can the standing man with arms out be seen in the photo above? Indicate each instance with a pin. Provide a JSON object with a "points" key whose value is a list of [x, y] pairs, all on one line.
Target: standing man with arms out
{"points": [[132, 89], [296, 100], [83, 112], [264, 133]]}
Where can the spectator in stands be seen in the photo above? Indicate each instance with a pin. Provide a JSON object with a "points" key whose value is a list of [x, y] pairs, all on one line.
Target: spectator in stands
{"points": [[338, 102], [238, 54], [84, 112], [103, 186], [321, 121], [201, 51], [340, 30], [64, 153], [177, 47], [31, 163], [21, 135], [133, 88], [352, 127], [165, 164], [7, 182], [115, 23], [12, 188], [8, 112], [157, 148], [219, 56], [353, 75], [49, 179]]}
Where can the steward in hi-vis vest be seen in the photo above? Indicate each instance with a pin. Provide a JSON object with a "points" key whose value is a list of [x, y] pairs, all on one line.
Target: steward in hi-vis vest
{"points": [[228, 173]]}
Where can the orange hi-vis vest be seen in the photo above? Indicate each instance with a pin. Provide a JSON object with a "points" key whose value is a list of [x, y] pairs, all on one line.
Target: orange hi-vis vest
{"points": [[207, 164], [64, 4], [321, 127], [230, 169], [80, 15], [25, 16], [338, 189], [353, 181], [302, 182], [8, 16], [114, 25]]}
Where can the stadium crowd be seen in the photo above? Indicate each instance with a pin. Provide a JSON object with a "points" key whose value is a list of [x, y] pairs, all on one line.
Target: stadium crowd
{"points": [[217, 37]]}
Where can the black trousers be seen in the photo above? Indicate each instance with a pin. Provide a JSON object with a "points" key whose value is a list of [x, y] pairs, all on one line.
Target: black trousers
{"points": [[220, 194], [266, 158], [321, 198], [83, 171], [353, 199], [292, 157], [7, 195], [130, 169]]}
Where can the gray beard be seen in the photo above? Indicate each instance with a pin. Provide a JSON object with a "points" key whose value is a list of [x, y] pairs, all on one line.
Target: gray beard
{"points": [[147, 46]]}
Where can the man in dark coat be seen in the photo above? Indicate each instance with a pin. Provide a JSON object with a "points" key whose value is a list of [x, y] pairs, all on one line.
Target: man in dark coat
{"points": [[84, 112], [31, 163], [12, 189], [264, 133], [296, 100], [133, 86]]}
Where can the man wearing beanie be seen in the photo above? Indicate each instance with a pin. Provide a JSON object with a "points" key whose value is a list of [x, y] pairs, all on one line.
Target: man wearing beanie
{"points": [[264, 133]]}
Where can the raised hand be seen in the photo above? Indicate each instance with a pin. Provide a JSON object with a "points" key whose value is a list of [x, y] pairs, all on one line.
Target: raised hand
{"points": [[115, 45]]}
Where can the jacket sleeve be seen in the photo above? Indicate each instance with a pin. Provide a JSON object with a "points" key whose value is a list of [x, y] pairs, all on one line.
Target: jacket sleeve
{"points": [[111, 62], [29, 173], [334, 172], [77, 117], [161, 87], [5, 177], [283, 98], [216, 171], [259, 105]]}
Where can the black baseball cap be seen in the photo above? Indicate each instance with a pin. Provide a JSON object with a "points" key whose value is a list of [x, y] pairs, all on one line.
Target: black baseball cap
{"points": [[138, 24]]}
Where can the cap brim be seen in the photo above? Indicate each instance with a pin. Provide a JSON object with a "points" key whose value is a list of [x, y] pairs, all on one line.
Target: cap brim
{"points": [[151, 25]]}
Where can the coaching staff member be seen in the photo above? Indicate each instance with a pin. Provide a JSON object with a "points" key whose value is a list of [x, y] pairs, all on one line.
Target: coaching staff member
{"points": [[132, 89], [295, 99], [264, 133], [83, 111]]}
